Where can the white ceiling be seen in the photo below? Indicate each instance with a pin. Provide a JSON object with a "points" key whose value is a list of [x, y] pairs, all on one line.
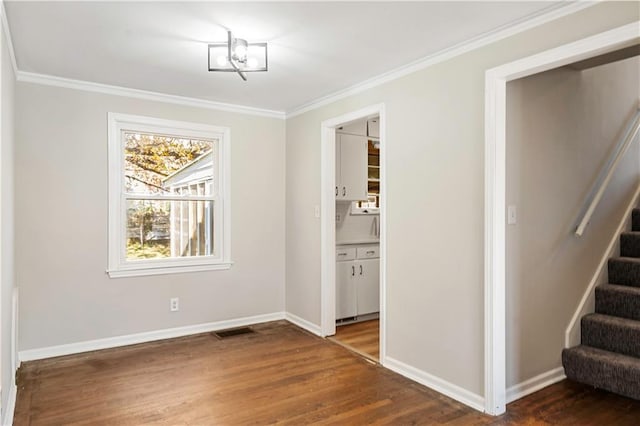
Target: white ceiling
{"points": [[315, 48]]}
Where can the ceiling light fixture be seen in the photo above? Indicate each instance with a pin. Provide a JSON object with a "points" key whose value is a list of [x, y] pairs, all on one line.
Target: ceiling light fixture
{"points": [[236, 55]]}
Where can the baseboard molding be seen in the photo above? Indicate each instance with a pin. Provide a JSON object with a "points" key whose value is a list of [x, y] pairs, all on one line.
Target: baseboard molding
{"points": [[8, 411], [303, 323], [132, 339], [534, 384], [446, 388]]}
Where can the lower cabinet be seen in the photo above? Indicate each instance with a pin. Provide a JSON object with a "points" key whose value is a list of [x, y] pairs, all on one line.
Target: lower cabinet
{"points": [[357, 283]]}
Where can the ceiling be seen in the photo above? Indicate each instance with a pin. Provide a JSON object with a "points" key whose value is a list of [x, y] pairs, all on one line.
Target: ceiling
{"points": [[315, 48]]}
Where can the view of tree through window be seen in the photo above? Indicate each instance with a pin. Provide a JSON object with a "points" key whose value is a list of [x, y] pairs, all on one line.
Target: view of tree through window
{"points": [[159, 170]]}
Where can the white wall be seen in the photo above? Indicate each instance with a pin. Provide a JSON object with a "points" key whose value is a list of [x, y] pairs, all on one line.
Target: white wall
{"points": [[355, 227], [435, 216], [7, 274], [61, 231], [562, 126]]}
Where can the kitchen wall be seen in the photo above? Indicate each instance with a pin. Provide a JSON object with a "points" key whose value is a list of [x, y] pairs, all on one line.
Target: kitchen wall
{"points": [[355, 227], [61, 231], [562, 126], [435, 196], [7, 218]]}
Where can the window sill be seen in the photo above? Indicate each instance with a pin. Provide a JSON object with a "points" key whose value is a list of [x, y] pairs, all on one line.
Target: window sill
{"points": [[164, 270]]}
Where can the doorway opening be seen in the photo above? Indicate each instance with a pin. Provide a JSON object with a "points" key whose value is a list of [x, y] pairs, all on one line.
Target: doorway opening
{"points": [[353, 231], [495, 189]]}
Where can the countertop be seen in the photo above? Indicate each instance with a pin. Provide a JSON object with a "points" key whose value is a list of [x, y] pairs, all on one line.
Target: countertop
{"points": [[350, 242]]}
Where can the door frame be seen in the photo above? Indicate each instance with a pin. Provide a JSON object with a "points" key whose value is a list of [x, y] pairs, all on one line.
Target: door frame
{"points": [[495, 189], [328, 214]]}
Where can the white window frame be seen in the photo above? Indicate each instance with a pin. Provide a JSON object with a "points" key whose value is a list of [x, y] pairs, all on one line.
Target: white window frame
{"points": [[118, 266]]}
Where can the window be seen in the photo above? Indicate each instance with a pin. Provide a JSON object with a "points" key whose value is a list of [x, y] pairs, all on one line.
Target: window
{"points": [[168, 196]]}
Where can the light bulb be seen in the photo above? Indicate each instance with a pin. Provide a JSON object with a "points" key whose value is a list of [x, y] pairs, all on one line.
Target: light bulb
{"points": [[252, 63], [241, 52], [221, 60], [240, 48]]}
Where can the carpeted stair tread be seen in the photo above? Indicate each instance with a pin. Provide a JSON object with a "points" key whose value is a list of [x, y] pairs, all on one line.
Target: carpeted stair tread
{"points": [[603, 369], [618, 300], [624, 271], [630, 244], [610, 333], [635, 220]]}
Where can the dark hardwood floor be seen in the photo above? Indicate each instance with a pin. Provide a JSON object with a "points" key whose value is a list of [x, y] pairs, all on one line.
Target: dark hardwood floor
{"points": [[361, 337], [279, 374]]}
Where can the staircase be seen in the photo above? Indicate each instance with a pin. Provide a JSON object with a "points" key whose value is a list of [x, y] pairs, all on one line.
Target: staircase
{"points": [[609, 356]]}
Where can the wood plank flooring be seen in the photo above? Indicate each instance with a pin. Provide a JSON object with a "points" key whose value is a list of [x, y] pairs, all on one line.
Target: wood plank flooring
{"points": [[279, 374], [362, 337]]}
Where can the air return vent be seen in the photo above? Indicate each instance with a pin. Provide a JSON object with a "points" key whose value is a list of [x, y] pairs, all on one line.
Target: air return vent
{"points": [[230, 332]]}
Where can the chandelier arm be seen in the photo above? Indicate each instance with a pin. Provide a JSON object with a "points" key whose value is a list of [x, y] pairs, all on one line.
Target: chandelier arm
{"points": [[240, 73]]}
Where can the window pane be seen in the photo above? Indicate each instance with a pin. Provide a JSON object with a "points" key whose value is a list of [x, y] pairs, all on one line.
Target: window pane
{"points": [[169, 229], [157, 164]]}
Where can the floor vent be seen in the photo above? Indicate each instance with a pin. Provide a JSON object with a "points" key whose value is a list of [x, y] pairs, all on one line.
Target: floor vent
{"points": [[230, 332]]}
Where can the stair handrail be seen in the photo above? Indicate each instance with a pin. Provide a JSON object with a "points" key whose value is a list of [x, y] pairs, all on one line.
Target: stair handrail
{"points": [[629, 136]]}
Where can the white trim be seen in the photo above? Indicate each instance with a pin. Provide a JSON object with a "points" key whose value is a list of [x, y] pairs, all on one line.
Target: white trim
{"points": [[7, 34], [9, 410], [149, 336], [508, 30], [442, 386], [328, 213], [118, 266], [50, 80], [303, 323], [572, 334], [495, 183], [534, 384], [142, 272]]}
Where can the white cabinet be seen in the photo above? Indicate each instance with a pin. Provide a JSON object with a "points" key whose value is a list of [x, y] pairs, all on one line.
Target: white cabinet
{"points": [[351, 167], [373, 128], [368, 286], [357, 281], [346, 293]]}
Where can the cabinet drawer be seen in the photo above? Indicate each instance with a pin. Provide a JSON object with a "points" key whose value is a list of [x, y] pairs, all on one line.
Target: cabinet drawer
{"points": [[345, 253], [368, 252]]}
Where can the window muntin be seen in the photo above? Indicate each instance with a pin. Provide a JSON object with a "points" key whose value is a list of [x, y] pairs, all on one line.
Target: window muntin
{"points": [[168, 183]]}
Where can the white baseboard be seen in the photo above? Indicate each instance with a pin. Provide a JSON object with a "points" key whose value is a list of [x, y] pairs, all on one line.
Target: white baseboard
{"points": [[446, 388], [7, 412], [132, 339], [534, 384], [303, 323]]}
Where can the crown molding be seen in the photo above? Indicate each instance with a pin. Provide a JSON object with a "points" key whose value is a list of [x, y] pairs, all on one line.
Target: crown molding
{"points": [[7, 34], [500, 33], [50, 80]]}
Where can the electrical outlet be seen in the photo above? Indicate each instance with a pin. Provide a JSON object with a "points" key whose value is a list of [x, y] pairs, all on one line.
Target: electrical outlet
{"points": [[337, 217], [174, 304]]}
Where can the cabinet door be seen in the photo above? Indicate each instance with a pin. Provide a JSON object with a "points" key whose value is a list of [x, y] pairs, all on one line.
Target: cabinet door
{"points": [[368, 286], [338, 166], [346, 304], [353, 168]]}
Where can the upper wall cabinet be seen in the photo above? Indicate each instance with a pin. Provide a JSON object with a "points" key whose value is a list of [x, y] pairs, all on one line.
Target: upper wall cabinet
{"points": [[351, 167], [373, 128], [370, 128]]}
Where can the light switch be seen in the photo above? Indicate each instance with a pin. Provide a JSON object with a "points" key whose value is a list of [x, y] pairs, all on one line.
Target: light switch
{"points": [[316, 211], [511, 215]]}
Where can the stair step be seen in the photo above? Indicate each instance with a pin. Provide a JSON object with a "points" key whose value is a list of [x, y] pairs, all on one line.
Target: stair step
{"points": [[618, 301], [624, 271], [635, 220], [612, 334], [603, 369], [630, 244]]}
